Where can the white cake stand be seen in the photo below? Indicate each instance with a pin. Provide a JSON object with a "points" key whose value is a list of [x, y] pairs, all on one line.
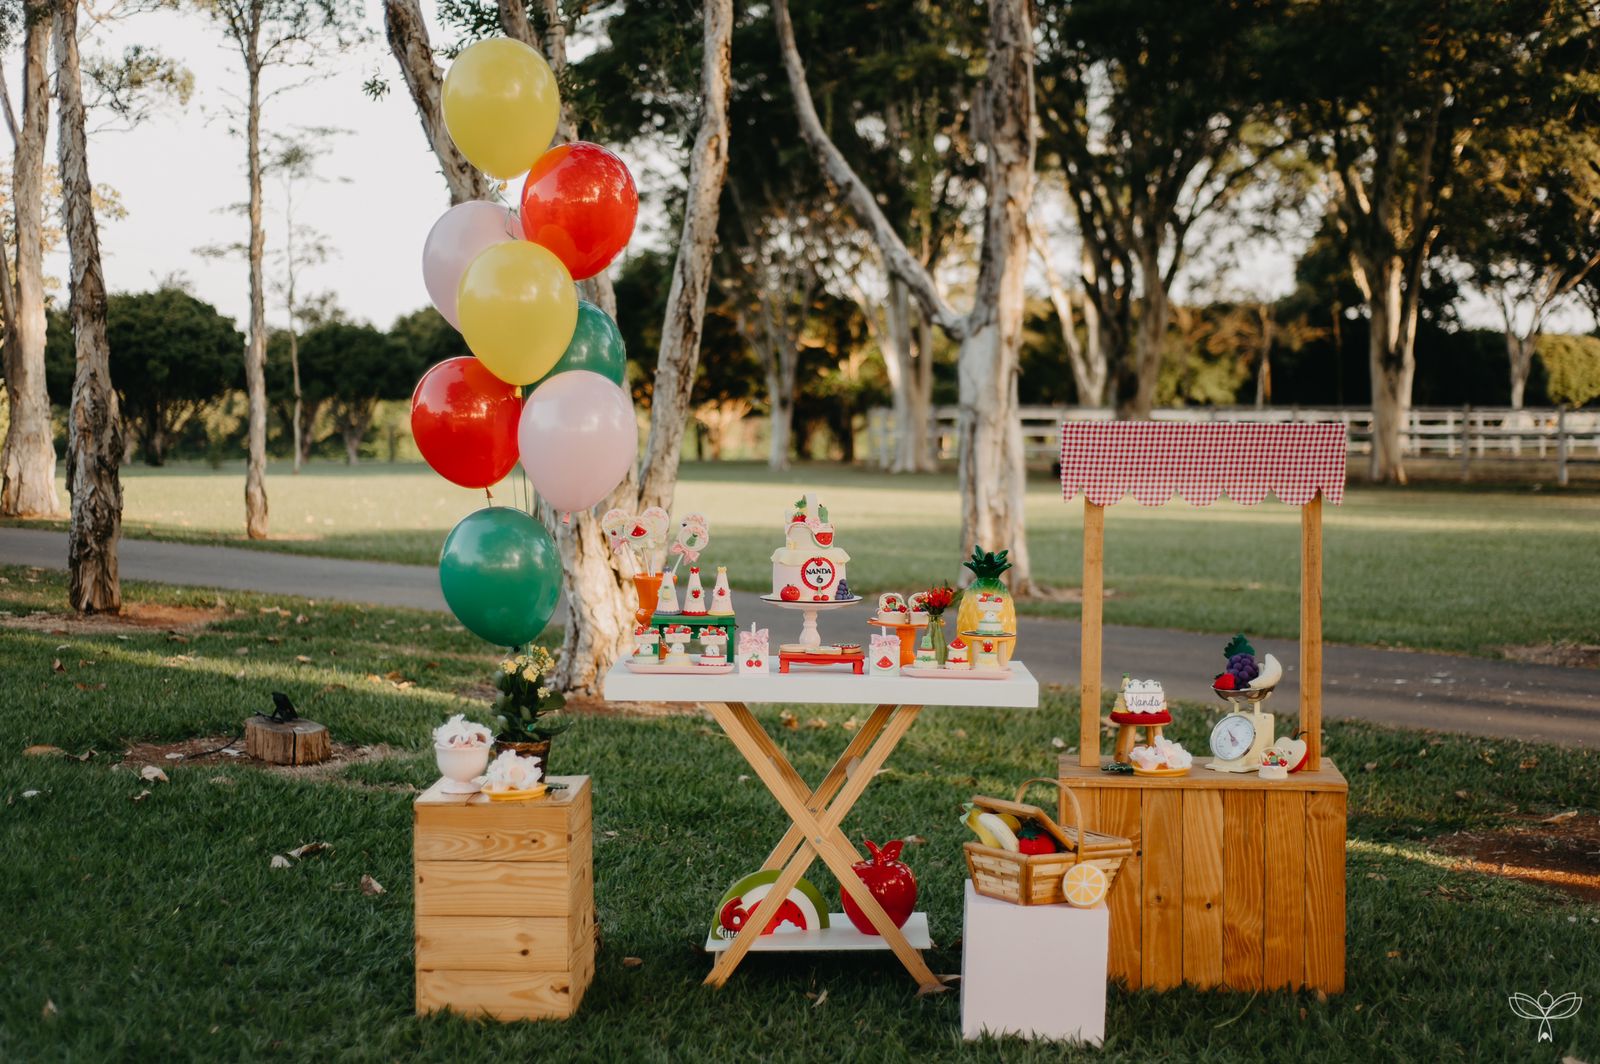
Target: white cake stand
{"points": [[809, 636]]}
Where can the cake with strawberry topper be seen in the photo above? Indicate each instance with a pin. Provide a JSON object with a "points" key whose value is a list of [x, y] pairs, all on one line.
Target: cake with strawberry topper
{"points": [[809, 567]]}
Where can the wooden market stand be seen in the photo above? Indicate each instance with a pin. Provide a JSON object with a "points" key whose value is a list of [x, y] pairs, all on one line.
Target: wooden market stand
{"points": [[1235, 882], [817, 813]]}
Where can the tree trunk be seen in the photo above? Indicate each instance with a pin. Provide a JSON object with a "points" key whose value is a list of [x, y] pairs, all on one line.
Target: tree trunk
{"points": [[1086, 360], [922, 456], [255, 355], [1149, 341], [599, 618], [900, 366], [1519, 349], [992, 474], [1391, 363], [28, 460], [407, 31], [781, 422], [94, 435], [679, 353], [306, 436], [294, 330]]}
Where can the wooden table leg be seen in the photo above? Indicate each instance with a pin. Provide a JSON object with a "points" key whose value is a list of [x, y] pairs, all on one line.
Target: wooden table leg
{"points": [[821, 835]]}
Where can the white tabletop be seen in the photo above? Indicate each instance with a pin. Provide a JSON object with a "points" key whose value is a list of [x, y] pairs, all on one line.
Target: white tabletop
{"points": [[833, 685]]}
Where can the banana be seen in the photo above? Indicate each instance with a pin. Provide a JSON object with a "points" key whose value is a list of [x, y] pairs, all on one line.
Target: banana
{"points": [[1011, 821], [1007, 839], [970, 817]]}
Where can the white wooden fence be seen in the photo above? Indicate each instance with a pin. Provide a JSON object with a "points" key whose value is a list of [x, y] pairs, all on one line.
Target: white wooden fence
{"points": [[1466, 434]]}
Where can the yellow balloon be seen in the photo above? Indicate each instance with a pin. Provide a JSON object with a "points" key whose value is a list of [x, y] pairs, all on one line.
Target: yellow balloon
{"points": [[501, 106], [518, 309]]}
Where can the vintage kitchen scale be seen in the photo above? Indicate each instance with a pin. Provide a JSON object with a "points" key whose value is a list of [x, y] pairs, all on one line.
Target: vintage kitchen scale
{"points": [[1239, 738]]}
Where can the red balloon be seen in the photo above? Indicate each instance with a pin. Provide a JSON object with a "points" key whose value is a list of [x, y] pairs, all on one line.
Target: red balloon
{"points": [[579, 201], [464, 420]]}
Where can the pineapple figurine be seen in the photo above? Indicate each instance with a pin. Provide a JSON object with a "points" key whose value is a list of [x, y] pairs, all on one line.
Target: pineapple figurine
{"points": [[984, 591]]}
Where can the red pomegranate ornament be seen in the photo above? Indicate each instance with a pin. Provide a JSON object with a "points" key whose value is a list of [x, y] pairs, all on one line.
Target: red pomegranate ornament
{"points": [[790, 593], [890, 881]]}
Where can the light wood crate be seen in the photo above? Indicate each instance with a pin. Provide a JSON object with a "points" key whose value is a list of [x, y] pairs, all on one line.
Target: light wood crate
{"points": [[504, 902], [1235, 882]]}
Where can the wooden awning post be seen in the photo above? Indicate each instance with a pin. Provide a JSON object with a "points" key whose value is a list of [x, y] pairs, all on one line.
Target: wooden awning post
{"points": [[1311, 629], [1094, 527]]}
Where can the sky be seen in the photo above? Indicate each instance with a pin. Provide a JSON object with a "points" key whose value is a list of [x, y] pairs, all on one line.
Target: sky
{"points": [[181, 174]]}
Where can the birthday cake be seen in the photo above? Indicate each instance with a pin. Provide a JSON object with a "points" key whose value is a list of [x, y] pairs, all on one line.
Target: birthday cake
{"points": [[808, 567]]}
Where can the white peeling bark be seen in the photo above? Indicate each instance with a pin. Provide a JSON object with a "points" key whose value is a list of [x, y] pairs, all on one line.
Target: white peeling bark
{"points": [[407, 31], [28, 461], [94, 435]]}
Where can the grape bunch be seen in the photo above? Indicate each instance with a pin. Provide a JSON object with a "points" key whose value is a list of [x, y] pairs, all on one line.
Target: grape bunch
{"points": [[1242, 667]]}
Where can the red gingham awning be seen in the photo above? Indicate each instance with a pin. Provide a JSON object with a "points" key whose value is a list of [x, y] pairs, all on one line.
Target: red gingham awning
{"points": [[1151, 460]]}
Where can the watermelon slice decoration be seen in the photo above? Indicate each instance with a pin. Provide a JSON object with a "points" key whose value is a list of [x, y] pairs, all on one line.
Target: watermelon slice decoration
{"points": [[802, 910]]}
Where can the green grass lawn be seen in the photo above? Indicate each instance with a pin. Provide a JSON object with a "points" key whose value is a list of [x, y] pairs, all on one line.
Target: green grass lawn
{"points": [[155, 928], [1436, 568]]}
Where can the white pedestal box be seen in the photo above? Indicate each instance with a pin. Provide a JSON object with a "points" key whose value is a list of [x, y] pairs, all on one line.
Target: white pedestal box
{"points": [[1038, 971]]}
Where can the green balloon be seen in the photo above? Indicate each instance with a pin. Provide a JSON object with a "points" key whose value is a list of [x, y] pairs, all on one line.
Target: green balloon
{"points": [[501, 575], [596, 346]]}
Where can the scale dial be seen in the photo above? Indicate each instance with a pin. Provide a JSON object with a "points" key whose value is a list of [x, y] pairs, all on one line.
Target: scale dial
{"points": [[1233, 736]]}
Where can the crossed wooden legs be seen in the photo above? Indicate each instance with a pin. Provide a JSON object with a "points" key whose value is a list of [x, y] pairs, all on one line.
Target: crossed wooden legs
{"points": [[815, 829]]}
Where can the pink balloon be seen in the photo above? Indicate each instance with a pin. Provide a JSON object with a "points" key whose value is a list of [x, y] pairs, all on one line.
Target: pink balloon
{"points": [[578, 437], [460, 234]]}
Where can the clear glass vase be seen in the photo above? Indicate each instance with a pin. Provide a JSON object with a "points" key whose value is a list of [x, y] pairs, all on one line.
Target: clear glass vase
{"points": [[936, 637]]}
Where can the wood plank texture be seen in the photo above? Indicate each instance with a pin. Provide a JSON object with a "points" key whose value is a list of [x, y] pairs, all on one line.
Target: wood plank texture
{"points": [[1328, 778], [501, 995], [1094, 525], [1120, 813], [1311, 629], [1243, 888], [1284, 851], [492, 888], [1325, 892], [492, 833], [496, 943], [1162, 918], [1202, 888]]}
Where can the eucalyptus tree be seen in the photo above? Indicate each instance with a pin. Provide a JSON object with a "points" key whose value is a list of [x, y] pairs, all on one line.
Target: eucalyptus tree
{"points": [[992, 476], [270, 35], [1390, 99], [1151, 118]]}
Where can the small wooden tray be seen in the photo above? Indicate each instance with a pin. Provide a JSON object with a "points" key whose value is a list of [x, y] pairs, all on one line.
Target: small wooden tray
{"points": [[661, 668], [954, 674]]}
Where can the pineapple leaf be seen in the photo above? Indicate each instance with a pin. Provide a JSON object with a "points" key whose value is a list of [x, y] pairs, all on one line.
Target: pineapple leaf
{"points": [[800, 504], [986, 564]]}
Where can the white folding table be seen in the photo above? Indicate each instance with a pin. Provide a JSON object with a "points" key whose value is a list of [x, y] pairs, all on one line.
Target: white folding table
{"points": [[817, 813]]}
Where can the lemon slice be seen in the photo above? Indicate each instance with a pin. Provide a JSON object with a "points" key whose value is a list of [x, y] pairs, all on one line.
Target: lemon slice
{"points": [[1085, 885]]}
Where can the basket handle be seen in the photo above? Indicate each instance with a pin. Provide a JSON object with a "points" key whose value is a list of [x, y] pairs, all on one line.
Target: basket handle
{"points": [[1077, 809]]}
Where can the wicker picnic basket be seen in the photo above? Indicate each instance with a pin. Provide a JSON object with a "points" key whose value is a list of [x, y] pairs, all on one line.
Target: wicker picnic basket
{"points": [[1035, 879]]}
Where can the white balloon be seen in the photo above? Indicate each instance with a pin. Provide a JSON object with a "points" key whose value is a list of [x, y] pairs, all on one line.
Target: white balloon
{"points": [[458, 237]]}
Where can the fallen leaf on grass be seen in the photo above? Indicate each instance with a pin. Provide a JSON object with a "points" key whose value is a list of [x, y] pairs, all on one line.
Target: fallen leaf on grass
{"points": [[744, 777], [31, 794], [913, 840], [141, 796], [57, 666], [174, 757], [1392, 954], [241, 651], [302, 659], [1370, 766], [851, 725], [370, 885], [816, 723], [300, 618], [1058, 742], [1465, 796], [960, 733], [1560, 818], [1379, 876], [311, 849], [49, 1012], [80, 685], [820, 999], [1527, 763], [633, 962], [153, 774], [86, 755], [788, 720], [43, 750], [278, 861], [174, 637], [1322, 996], [394, 675]]}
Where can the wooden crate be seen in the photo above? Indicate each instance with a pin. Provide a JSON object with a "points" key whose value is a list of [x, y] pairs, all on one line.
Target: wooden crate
{"points": [[1235, 882], [504, 903]]}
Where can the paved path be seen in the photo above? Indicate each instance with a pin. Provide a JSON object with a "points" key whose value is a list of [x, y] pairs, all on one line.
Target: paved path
{"points": [[1442, 691]]}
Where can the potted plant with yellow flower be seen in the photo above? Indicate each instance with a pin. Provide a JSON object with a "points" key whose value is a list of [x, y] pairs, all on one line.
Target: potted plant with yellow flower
{"points": [[528, 713]]}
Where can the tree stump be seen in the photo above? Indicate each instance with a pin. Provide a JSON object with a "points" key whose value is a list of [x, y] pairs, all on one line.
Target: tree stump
{"points": [[295, 742]]}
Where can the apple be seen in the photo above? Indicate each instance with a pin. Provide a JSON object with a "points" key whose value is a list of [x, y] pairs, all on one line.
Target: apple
{"points": [[891, 883], [790, 593]]}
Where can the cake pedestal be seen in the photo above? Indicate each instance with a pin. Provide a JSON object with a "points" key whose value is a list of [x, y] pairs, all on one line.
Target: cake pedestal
{"points": [[809, 636]]}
